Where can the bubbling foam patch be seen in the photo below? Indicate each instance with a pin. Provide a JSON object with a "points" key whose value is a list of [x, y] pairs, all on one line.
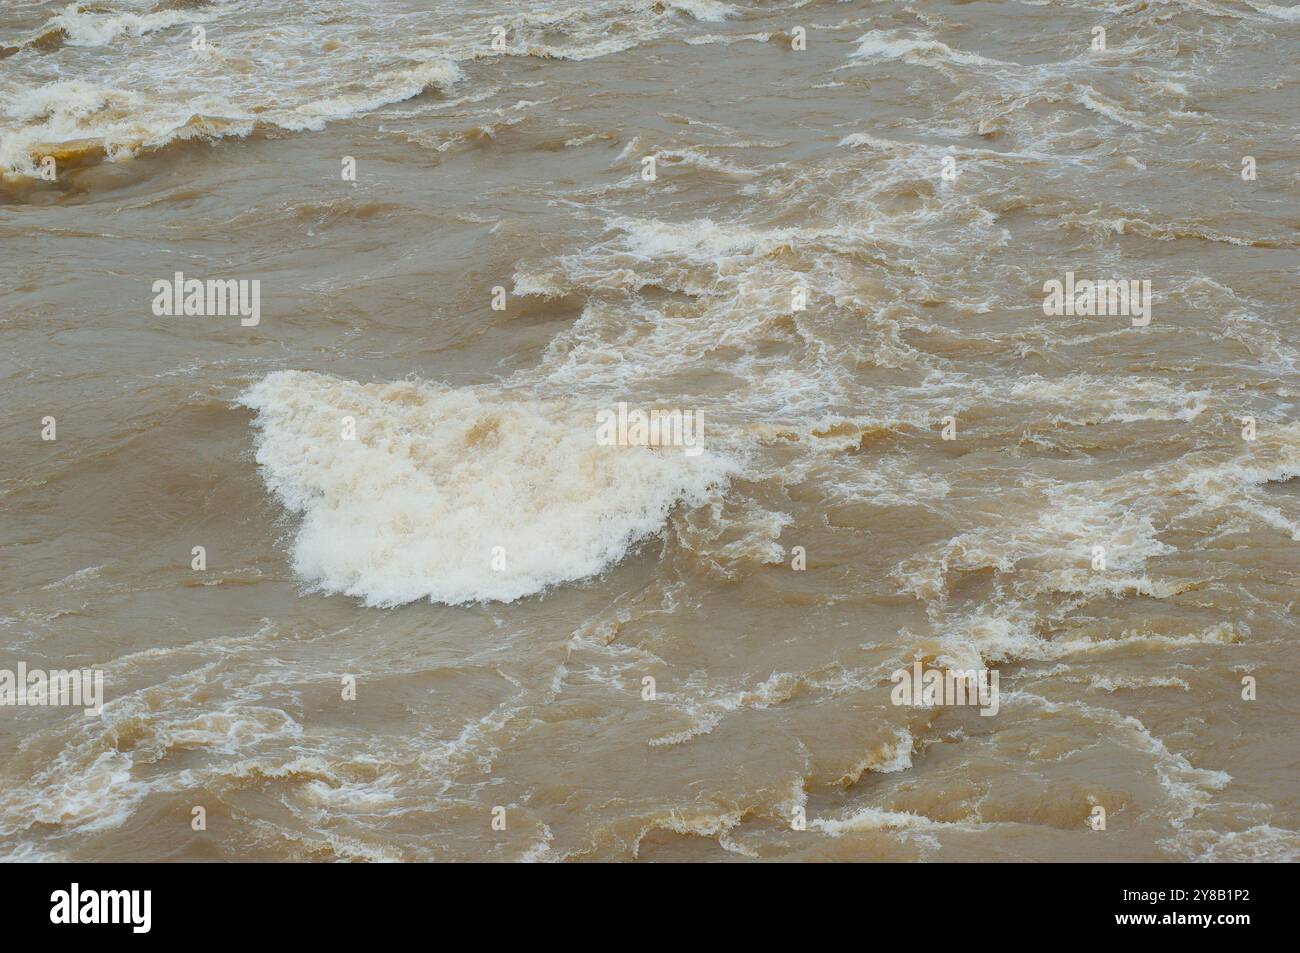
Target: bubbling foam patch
{"points": [[437, 478]]}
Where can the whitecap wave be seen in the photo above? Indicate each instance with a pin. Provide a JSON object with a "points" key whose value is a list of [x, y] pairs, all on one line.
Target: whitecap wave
{"points": [[457, 495]]}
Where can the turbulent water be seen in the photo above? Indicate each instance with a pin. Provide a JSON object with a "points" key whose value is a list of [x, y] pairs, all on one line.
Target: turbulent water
{"points": [[398, 486]]}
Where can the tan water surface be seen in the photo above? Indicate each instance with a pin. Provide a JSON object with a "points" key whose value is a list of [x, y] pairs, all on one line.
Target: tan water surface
{"points": [[838, 265]]}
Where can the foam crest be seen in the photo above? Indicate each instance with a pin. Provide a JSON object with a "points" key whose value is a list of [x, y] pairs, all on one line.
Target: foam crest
{"points": [[885, 45], [438, 478], [391, 87], [83, 26]]}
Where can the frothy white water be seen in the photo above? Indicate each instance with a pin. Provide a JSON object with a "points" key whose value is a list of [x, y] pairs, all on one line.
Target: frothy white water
{"points": [[438, 478], [275, 64], [82, 26], [915, 49]]}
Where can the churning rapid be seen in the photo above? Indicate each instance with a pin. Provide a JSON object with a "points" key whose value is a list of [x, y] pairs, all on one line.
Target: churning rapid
{"points": [[364, 584]]}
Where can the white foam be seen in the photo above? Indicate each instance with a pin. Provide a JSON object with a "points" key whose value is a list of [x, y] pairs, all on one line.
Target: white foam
{"points": [[885, 45], [437, 478], [1279, 12], [888, 758], [391, 87], [875, 819], [88, 27], [709, 11]]}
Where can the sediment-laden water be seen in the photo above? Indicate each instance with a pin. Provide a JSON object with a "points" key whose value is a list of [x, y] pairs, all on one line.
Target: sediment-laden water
{"points": [[838, 266]]}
